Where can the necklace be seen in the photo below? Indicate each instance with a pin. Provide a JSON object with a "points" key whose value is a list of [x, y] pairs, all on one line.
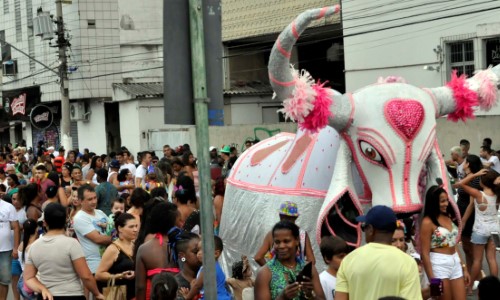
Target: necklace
{"points": [[291, 266]]}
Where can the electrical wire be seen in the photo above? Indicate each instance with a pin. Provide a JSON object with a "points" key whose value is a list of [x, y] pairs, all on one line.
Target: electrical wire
{"points": [[358, 33], [26, 54], [265, 48], [26, 77]]}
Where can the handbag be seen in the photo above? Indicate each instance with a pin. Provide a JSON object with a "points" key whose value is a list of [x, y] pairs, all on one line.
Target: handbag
{"points": [[115, 292]]}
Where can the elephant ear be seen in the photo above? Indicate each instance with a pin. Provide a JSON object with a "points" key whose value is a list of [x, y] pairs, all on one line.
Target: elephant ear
{"points": [[341, 205]]}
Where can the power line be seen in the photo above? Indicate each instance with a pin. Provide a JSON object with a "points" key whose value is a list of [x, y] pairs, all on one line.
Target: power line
{"points": [[26, 77], [304, 35], [26, 54], [118, 73], [370, 31]]}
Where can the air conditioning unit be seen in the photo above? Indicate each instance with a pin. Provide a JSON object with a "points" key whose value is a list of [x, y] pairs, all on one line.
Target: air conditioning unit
{"points": [[9, 68], [78, 112]]}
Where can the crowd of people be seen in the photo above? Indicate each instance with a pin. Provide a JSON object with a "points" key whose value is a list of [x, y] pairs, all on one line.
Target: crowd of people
{"points": [[81, 226]]}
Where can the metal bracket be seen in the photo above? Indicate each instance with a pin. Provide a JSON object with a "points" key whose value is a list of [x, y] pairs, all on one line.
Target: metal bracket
{"points": [[202, 100]]}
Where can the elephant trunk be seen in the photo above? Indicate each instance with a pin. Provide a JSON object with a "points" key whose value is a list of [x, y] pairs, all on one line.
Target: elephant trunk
{"points": [[280, 76]]}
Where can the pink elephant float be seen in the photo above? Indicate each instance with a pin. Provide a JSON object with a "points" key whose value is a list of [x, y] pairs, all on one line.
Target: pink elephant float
{"points": [[375, 146]]}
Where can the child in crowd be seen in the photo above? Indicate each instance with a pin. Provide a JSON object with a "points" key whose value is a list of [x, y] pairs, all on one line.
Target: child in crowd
{"points": [[163, 287], [242, 278], [424, 281], [488, 288], [333, 249], [197, 291], [126, 180], [151, 182], [117, 205]]}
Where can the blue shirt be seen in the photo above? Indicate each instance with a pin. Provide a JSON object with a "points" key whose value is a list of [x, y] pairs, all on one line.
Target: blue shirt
{"points": [[222, 291]]}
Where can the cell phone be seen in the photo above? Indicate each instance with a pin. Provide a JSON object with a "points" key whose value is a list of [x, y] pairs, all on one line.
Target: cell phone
{"points": [[436, 285], [305, 272], [496, 239]]}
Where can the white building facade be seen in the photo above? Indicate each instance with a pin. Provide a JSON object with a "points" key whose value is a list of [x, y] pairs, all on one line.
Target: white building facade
{"points": [[111, 42], [423, 42]]}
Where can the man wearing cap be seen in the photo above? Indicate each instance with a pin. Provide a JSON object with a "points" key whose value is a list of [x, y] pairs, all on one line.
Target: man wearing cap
{"points": [[114, 166], [378, 269], [224, 154], [59, 160]]}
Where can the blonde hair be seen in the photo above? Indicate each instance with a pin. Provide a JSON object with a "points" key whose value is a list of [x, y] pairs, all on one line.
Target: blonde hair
{"points": [[456, 150]]}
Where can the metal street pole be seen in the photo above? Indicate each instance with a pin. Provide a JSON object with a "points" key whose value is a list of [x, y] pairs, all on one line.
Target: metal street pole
{"points": [[201, 119], [66, 139]]}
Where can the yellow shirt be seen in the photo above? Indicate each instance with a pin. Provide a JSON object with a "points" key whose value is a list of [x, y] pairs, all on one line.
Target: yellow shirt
{"points": [[376, 270]]}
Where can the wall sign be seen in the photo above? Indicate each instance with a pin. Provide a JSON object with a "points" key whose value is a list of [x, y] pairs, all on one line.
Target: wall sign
{"points": [[41, 117], [18, 105]]}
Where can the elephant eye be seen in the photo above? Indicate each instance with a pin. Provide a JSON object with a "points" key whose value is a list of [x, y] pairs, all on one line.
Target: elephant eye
{"points": [[370, 152]]}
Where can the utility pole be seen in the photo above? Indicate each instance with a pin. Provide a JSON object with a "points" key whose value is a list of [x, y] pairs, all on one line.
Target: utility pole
{"points": [[201, 118], [62, 43]]}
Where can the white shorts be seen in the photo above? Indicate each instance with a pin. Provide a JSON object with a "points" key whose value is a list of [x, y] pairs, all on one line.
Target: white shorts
{"points": [[445, 266]]}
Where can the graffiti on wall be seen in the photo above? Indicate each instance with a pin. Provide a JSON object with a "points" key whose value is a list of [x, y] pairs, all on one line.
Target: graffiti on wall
{"points": [[259, 134]]}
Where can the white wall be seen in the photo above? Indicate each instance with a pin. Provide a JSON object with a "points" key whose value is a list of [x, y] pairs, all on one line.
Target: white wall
{"points": [[449, 133], [142, 116], [404, 50], [92, 134], [249, 113], [129, 126], [147, 17], [247, 109], [27, 134]]}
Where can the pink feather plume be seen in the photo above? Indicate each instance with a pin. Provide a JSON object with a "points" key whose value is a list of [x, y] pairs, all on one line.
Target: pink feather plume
{"points": [[319, 116], [300, 104], [465, 99], [487, 90]]}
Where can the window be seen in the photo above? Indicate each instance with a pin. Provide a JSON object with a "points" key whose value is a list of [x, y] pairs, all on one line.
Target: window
{"points": [[492, 52], [6, 54], [31, 48], [91, 24], [461, 57], [5, 7], [29, 12], [19, 22]]}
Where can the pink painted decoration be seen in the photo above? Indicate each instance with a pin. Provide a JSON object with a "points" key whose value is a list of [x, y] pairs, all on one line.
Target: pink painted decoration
{"points": [[391, 79], [405, 116], [465, 98]]}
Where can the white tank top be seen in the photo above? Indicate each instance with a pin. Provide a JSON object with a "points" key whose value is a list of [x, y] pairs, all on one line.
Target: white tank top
{"points": [[486, 221]]}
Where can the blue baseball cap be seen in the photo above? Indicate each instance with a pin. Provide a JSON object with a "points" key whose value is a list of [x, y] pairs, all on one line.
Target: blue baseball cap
{"points": [[380, 217]]}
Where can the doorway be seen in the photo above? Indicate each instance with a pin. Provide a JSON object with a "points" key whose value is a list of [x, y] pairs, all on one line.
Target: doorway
{"points": [[112, 113]]}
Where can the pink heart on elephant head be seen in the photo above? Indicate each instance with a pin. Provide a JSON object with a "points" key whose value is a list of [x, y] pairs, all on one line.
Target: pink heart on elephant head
{"points": [[405, 116]]}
